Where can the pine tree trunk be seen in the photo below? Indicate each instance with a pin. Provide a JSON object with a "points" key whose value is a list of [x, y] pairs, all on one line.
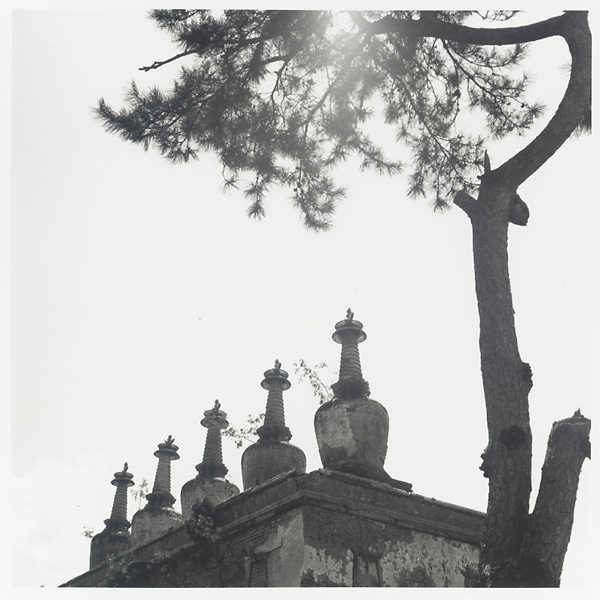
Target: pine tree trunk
{"points": [[506, 383]]}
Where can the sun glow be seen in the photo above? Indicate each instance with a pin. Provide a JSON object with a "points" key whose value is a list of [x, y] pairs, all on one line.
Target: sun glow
{"points": [[342, 23]]}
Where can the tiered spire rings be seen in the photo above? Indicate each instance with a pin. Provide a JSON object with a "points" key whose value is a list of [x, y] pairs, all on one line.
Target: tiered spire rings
{"points": [[212, 461], [118, 516], [274, 429], [161, 491], [351, 384]]}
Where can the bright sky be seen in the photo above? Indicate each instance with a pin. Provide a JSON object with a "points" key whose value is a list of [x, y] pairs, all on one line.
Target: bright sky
{"points": [[141, 293]]}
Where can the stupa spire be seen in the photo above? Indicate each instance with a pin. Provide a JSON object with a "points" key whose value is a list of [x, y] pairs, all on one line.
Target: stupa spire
{"points": [[118, 516], [161, 491], [351, 384], [274, 429], [212, 461]]}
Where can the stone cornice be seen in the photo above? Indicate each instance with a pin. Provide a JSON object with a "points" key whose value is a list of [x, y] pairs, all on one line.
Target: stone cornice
{"points": [[340, 492]]}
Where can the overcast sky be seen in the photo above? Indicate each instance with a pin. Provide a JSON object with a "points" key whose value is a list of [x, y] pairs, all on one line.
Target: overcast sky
{"points": [[141, 292]]}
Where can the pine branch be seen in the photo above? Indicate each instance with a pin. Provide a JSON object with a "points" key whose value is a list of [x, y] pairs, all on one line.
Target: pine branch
{"points": [[430, 26], [343, 69]]}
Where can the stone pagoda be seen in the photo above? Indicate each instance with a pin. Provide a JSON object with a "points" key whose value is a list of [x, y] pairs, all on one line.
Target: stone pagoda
{"points": [[272, 454], [115, 538], [158, 516], [210, 484]]}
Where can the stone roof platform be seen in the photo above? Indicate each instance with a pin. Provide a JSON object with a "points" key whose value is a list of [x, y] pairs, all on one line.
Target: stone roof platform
{"points": [[324, 528]]}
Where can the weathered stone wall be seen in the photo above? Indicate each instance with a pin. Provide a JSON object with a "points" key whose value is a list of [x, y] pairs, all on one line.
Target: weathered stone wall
{"points": [[365, 533], [346, 550]]}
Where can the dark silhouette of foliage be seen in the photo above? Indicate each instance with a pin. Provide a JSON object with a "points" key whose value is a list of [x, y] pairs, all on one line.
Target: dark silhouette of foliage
{"points": [[284, 96]]}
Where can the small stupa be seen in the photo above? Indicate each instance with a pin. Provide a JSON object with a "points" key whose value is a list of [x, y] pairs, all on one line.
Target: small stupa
{"points": [[272, 454], [158, 516], [209, 484], [115, 538], [352, 429]]}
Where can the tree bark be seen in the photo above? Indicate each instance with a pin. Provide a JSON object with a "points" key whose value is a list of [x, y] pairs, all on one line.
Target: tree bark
{"points": [[549, 526], [518, 549], [506, 383]]}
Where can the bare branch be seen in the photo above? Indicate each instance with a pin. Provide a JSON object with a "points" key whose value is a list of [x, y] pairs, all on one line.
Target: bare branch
{"points": [[159, 63]]}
